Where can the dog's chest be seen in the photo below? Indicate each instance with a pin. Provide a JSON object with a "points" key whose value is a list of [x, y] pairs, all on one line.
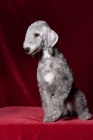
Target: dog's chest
{"points": [[47, 72], [49, 77]]}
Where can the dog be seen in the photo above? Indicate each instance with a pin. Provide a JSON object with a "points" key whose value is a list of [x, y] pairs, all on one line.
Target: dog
{"points": [[56, 81]]}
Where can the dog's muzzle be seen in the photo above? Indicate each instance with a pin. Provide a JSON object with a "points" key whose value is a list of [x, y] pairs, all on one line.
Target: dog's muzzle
{"points": [[37, 50]]}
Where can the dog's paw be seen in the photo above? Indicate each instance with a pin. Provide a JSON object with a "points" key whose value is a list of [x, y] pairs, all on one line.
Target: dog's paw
{"points": [[52, 117], [46, 119], [85, 116], [55, 115]]}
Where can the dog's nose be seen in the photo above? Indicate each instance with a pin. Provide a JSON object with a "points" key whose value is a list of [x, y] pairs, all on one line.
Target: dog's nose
{"points": [[27, 49]]}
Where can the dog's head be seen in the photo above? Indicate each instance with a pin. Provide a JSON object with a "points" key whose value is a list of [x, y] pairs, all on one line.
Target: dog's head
{"points": [[39, 36]]}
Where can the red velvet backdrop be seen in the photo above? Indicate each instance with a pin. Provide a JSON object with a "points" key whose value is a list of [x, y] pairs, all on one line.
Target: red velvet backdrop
{"points": [[71, 19]]}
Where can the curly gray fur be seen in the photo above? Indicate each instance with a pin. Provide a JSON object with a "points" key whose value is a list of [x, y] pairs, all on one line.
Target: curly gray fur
{"points": [[55, 79]]}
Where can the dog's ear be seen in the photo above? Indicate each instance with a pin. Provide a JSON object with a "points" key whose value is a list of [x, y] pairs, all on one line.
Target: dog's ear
{"points": [[52, 37]]}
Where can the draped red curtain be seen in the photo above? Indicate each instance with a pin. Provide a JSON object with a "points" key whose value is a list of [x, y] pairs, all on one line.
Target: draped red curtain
{"points": [[71, 19]]}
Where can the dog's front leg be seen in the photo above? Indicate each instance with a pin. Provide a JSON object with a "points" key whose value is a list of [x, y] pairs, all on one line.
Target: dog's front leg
{"points": [[57, 108], [46, 104]]}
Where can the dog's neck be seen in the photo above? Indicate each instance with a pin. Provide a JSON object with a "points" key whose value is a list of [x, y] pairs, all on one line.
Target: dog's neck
{"points": [[49, 52], [46, 54]]}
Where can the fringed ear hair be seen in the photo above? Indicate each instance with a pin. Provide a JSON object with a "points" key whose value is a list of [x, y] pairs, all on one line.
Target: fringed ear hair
{"points": [[51, 51]]}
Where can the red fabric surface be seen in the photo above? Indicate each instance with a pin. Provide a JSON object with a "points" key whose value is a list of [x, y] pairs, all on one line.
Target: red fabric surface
{"points": [[71, 19], [25, 123]]}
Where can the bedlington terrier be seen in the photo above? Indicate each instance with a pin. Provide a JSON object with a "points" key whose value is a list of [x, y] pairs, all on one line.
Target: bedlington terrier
{"points": [[56, 82]]}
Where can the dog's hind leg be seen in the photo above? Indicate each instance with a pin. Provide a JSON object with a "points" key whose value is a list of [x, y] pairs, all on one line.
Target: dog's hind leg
{"points": [[80, 106]]}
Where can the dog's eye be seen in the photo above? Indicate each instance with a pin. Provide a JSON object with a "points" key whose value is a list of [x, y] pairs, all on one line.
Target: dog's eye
{"points": [[36, 34]]}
